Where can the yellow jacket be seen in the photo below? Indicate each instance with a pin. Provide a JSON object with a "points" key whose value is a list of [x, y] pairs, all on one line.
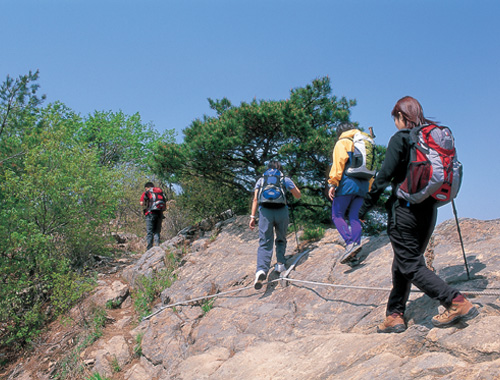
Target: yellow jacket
{"points": [[341, 153]]}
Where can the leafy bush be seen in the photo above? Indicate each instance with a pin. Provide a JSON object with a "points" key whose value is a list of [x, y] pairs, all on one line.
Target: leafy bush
{"points": [[52, 223], [313, 234], [207, 305], [97, 376], [176, 218], [138, 344], [376, 220], [68, 288], [375, 223], [62, 180], [149, 288], [115, 365], [202, 198]]}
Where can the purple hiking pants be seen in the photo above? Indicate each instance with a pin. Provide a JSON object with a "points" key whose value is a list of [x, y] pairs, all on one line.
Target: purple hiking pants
{"points": [[350, 205]]}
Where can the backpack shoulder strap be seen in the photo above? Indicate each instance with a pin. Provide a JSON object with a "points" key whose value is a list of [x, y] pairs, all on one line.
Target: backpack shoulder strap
{"points": [[345, 138], [350, 139]]}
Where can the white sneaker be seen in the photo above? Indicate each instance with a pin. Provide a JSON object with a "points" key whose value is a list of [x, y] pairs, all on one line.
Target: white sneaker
{"points": [[278, 268], [260, 276]]}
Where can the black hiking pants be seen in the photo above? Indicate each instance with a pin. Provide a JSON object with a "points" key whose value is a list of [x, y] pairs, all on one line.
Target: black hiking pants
{"points": [[410, 229]]}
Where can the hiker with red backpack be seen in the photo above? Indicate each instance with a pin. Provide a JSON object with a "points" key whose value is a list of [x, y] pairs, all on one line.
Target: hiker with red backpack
{"points": [[154, 201], [422, 168], [353, 166]]}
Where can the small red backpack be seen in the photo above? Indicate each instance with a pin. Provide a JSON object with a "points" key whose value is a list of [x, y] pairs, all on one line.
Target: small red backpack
{"points": [[156, 199]]}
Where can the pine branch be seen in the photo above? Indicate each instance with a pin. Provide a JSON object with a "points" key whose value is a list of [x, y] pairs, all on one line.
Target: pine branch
{"points": [[11, 157]]}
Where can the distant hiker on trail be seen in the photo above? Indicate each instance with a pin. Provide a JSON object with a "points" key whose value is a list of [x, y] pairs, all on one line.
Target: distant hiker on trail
{"points": [[154, 201], [349, 183], [270, 197], [410, 226]]}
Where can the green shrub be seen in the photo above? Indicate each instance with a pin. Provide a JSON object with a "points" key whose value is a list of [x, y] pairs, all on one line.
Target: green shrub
{"points": [[115, 366], [207, 305], [63, 178], [97, 376], [201, 198], [113, 304], [66, 201], [149, 288], [313, 234], [138, 344], [68, 288]]}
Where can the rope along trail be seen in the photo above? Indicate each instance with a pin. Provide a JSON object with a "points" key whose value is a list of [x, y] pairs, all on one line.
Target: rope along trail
{"points": [[186, 302]]}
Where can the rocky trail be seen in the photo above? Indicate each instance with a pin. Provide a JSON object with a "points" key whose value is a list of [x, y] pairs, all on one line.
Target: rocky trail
{"points": [[322, 328]]}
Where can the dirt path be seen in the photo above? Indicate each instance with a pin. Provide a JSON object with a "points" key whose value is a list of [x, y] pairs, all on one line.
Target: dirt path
{"points": [[62, 347]]}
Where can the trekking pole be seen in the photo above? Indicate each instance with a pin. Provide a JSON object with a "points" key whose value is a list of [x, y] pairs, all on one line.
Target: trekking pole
{"points": [[294, 224], [371, 132], [460, 236]]}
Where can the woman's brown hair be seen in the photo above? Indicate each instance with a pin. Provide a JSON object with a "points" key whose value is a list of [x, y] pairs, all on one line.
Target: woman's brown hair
{"points": [[412, 112]]}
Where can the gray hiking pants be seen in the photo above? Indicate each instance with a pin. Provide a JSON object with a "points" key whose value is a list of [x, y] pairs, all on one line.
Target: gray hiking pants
{"points": [[153, 228], [271, 221]]}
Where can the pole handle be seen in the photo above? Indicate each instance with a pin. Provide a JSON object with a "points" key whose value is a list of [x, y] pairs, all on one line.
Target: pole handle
{"points": [[371, 132]]}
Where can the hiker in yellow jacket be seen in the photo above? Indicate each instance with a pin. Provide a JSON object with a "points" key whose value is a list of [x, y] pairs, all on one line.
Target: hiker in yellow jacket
{"points": [[347, 191]]}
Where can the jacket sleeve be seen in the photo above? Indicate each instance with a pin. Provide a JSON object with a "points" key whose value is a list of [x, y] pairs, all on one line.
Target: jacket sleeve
{"points": [[395, 163], [340, 157]]}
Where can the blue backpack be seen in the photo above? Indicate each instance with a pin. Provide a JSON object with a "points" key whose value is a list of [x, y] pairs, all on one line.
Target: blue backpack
{"points": [[272, 193]]}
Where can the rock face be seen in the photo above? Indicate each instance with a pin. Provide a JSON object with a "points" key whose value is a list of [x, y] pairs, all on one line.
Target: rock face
{"points": [[323, 327], [113, 295], [313, 331]]}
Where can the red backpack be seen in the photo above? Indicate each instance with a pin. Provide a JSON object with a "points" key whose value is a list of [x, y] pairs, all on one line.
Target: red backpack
{"points": [[434, 169], [156, 199]]}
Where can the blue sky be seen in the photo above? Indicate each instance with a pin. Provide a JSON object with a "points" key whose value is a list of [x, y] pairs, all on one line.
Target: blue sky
{"points": [[163, 59]]}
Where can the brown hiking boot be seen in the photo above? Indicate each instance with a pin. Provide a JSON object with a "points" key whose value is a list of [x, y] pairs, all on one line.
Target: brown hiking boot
{"points": [[393, 323], [461, 309]]}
